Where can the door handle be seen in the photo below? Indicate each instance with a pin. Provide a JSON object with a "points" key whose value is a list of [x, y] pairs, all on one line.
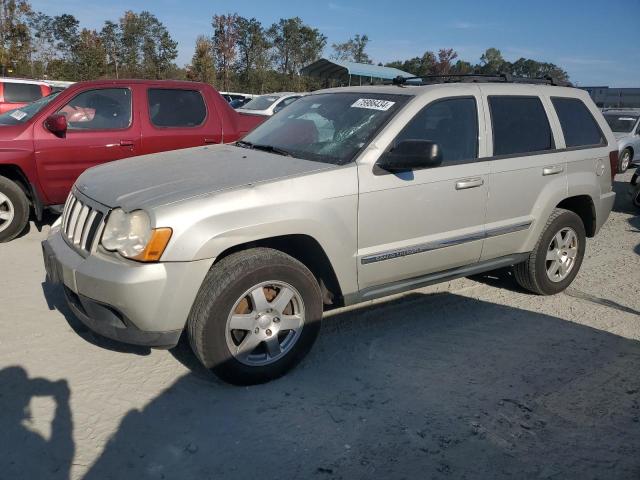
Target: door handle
{"points": [[553, 170], [469, 183], [209, 141], [126, 143]]}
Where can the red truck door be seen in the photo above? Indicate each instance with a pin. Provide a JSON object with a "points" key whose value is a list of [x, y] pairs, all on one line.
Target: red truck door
{"points": [[103, 126], [178, 117]]}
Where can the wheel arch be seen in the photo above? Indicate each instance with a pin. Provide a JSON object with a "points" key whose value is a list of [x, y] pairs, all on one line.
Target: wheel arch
{"points": [[15, 174], [309, 252], [584, 207]]}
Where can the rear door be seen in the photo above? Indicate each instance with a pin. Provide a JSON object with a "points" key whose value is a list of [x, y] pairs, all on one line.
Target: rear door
{"points": [[178, 118], [527, 163], [103, 126]]}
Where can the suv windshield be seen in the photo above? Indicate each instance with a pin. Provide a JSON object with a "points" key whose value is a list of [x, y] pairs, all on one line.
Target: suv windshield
{"points": [[621, 123], [261, 103], [327, 127], [24, 114]]}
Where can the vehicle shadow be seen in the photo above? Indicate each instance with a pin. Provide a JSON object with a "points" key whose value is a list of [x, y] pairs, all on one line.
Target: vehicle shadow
{"points": [[48, 218], [54, 296], [26, 453], [424, 386], [623, 203]]}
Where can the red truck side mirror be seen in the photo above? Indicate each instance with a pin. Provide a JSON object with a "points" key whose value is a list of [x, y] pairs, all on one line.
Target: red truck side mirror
{"points": [[56, 124]]}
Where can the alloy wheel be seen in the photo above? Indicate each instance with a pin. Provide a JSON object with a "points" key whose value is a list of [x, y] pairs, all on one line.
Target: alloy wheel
{"points": [[7, 212], [265, 323], [561, 254]]}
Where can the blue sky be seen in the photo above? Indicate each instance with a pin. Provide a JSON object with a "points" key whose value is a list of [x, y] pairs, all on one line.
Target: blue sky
{"points": [[597, 42]]}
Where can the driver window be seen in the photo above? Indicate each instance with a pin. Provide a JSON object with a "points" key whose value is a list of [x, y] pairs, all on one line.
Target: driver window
{"points": [[451, 123], [103, 109]]}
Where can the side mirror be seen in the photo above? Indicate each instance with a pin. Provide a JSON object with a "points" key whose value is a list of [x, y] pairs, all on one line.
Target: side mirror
{"points": [[57, 124], [411, 155]]}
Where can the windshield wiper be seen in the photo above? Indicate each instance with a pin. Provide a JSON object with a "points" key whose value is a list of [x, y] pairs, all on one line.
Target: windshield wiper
{"points": [[243, 144], [265, 148], [272, 149]]}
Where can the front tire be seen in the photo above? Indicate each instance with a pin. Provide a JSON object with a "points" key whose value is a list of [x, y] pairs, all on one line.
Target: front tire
{"points": [[257, 314], [625, 161], [14, 210], [556, 258]]}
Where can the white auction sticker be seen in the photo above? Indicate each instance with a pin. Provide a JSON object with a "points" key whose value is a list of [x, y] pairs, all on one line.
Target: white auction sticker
{"points": [[18, 114], [373, 104]]}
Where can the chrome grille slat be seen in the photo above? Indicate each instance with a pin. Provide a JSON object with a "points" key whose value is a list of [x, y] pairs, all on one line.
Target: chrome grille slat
{"points": [[87, 229], [81, 223]]}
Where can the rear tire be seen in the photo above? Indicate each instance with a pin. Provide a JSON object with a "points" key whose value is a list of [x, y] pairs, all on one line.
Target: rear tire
{"points": [[14, 210], [265, 343], [539, 274], [625, 160]]}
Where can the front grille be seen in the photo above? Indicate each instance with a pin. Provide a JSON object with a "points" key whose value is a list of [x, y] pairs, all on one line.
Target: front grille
{"points": [[80, 223]]}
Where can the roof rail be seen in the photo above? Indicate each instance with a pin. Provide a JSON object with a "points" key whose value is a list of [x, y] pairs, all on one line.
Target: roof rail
{"points": [[480, 78]]}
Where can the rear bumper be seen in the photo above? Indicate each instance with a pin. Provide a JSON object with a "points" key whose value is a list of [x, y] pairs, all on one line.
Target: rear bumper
{"points": [[142, 304]]}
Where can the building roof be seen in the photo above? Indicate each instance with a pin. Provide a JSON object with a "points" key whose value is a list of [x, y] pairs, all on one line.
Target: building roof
{"points": [[324, 68]]}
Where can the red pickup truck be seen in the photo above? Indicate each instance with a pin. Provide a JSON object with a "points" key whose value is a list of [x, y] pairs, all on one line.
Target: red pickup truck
{"points": [[47, 144]]}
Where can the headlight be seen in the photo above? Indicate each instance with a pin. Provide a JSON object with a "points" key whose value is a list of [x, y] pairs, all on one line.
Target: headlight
{"points": [[131, 235]]}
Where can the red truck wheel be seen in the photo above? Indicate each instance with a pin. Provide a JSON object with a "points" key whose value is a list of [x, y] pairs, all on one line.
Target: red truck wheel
{"points": [[14, 209]]}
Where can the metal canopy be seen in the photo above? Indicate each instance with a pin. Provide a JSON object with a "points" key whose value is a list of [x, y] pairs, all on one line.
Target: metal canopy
{"points": [[337, 69]]}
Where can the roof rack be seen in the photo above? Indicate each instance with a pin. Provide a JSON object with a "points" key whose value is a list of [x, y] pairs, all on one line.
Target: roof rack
{"points": [[479, 78]]}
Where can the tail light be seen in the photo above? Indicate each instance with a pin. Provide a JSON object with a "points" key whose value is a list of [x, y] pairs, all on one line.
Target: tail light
{"points": [[613, 160]]}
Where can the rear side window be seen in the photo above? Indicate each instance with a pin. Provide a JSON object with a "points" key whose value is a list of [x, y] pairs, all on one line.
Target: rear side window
{"points": [[578, 125], [176, 108], [520, 125], [21, 92], [451, 123]]}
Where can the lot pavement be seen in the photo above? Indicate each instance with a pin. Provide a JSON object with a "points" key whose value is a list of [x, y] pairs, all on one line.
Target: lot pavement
{"points": [[470, 379]]}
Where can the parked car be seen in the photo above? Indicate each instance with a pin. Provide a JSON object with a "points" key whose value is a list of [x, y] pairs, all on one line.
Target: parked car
{"points": [[231, 96], [625, 124], [634, 188], [15, 92], [239, 102], [268, 105], [415, 185], [50, 142]]}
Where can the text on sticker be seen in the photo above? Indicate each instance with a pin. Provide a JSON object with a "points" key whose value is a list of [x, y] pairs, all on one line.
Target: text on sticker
{"points": [[372, 104]]}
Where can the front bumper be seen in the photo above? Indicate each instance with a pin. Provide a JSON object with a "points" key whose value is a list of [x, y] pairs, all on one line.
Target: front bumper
{"points": [[139, 303]]}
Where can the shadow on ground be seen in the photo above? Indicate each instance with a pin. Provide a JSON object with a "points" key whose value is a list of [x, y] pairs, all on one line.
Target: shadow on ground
{"points": [[26, 453], [427, 386]]}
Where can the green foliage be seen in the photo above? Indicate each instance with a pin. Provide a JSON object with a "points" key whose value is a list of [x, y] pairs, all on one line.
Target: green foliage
{"points": [[352, 50]]}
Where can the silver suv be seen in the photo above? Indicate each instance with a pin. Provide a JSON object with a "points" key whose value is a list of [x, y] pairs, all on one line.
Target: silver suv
{"points": [[625, 124], [349, 195]]}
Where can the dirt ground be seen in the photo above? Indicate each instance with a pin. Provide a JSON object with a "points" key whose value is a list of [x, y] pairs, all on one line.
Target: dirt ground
{"points": [[470, 379]]}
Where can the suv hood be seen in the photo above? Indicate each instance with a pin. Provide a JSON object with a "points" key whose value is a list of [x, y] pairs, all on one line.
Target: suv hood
{"points": [[162, 178]]}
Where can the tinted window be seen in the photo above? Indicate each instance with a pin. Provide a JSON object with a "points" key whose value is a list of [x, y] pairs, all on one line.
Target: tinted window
{"points": [[520, 125], [176, 108], [21, 92], [101, 109], [578, 125], [452, 124], [621, 122]]}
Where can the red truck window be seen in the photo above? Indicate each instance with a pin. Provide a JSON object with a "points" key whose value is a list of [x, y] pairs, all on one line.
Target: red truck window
{"points": [[21, 92], [176, 108], [100, 109]]}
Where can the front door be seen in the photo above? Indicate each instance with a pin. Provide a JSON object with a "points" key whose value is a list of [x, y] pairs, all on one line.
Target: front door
{"points": [[428, 220], [101, 128]]}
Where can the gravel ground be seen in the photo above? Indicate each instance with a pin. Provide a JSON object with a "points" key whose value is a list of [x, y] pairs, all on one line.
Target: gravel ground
{"points": [[469, 379]]}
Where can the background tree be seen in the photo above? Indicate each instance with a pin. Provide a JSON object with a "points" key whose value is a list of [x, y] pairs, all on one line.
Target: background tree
{"points": [[111, 36], [225, 38], [253, 52], [492, 62], [202, 63], [295, 44], [89, 57], [15, 36], [353, 50]]}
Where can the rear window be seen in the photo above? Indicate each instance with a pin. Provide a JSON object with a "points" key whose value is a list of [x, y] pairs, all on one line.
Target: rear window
{"points": [[578, 125], [520, 125], [176, 108], [21, 92]]}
